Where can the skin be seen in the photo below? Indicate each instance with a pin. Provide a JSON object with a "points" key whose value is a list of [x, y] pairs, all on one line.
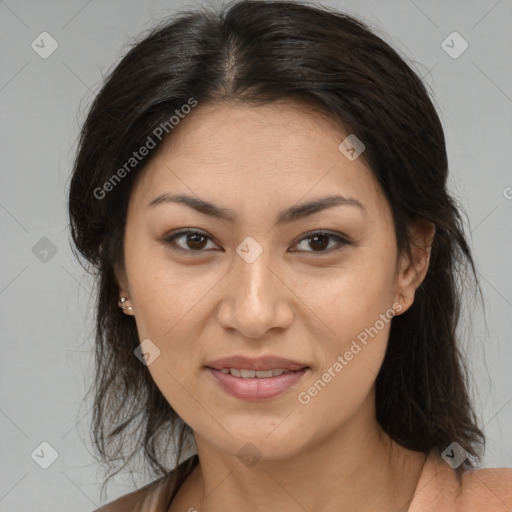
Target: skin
{"points": [[329, 454]]}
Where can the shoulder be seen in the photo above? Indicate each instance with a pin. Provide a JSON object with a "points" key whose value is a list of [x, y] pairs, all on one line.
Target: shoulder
{"points": [[155, 496], [136, 501], [441, 488], [492, 486]]}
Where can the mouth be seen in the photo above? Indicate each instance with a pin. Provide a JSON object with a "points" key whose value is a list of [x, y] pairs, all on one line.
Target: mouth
{"points": [[244, 373], [256, 379], [260, 364]]}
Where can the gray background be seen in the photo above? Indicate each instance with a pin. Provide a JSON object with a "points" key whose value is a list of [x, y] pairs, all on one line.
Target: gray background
{"points": [[44, 297]]}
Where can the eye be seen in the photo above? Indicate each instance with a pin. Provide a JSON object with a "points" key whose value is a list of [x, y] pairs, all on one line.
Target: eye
{"points": [[196, 241], [320, 241]]}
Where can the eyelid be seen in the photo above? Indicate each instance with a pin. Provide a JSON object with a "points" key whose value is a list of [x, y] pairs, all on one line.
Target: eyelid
{"points": [[342, 240], [168, 240]]}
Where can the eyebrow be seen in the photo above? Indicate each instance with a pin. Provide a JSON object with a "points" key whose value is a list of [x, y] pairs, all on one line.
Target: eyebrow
{"points": [[291, 214]]}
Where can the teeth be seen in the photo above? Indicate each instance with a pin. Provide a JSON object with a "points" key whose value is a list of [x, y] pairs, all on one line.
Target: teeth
{"points": [[248, 374], [263, 374]]}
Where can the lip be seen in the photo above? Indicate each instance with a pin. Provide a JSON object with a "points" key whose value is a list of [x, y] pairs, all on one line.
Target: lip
{"points": [[255, 389], [260, 363]]}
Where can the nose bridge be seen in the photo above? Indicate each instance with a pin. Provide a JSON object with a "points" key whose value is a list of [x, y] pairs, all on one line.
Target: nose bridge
{"points": [[255, 299], [255, 280]]}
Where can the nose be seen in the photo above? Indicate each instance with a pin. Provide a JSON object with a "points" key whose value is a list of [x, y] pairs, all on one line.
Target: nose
{"points": [[256, 298]]}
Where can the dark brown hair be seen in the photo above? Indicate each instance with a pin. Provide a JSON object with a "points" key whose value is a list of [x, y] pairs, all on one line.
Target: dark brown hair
{"points": [[257, 52]]}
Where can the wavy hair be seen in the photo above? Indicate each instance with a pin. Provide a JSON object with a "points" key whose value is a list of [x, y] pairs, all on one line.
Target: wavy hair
{"points": [[256, 52]]}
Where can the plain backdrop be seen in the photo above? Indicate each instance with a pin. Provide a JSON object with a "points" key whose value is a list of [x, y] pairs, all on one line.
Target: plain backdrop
{"points": [[45, 304]]}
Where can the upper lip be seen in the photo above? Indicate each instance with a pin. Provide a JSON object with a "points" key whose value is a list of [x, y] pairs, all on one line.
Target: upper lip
{"points": [[260, 363]]}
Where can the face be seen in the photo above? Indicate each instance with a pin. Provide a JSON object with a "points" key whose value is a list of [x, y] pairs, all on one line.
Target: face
{"points": [[318, 287]]}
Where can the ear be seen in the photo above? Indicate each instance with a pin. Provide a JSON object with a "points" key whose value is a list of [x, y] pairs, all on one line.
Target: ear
{"points": [[412, 272], [122, 283]]}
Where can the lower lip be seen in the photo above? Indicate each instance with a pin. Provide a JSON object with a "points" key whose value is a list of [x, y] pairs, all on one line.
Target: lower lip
{"points": [[253, 388]]}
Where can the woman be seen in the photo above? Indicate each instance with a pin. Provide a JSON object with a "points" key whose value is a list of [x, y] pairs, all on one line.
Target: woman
{"points": [[262, 193]]}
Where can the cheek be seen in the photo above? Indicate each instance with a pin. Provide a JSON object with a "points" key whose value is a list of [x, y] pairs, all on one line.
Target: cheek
{"points": [[163, 292], [344, 380], [355, 313], [349, 299]]}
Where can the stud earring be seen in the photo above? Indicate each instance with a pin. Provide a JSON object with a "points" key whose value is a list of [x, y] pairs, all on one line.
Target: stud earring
{"points": [[122, 301]]}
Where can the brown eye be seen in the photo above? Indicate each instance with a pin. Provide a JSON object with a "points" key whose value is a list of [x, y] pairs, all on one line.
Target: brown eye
{"points": [[196, 241], [319, 241], [191, 241]]}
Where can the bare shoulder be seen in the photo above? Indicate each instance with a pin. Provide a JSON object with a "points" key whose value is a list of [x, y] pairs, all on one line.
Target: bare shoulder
{"points": [[443, 488], [133, 501], [488, 485]]}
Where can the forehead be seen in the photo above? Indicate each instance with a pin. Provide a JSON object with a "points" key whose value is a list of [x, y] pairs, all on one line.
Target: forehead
{"points": [[244, 156]]}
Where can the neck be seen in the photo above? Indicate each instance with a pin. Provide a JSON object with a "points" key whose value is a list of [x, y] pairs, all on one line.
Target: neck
{"points": [[356, 468]]}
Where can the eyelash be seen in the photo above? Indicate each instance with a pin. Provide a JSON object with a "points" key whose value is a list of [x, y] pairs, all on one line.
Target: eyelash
{"points": [[169, 241]]}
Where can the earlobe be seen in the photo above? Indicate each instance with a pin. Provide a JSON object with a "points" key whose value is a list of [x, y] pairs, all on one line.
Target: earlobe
{"points": [[414, 268], [124, 302]]}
